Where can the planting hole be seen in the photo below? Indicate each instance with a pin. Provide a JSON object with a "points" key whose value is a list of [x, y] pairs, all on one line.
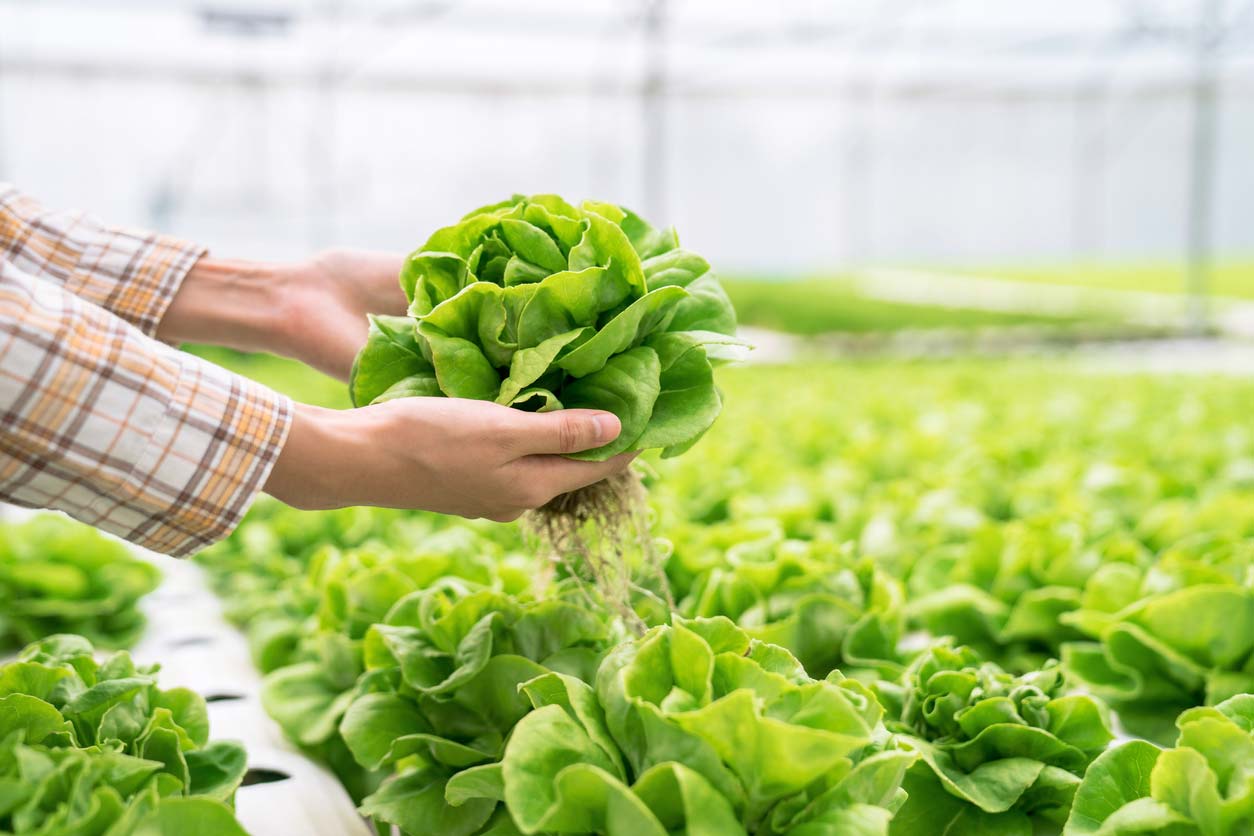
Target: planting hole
{"points": [[192, 641], [263, 776]]}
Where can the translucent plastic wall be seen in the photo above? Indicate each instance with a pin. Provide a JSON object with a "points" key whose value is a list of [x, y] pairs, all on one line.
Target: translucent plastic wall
{"points": [[776, 155]]}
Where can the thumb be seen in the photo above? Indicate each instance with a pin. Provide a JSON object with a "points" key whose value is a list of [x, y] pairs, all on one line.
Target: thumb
{"points": [[566, 431]]}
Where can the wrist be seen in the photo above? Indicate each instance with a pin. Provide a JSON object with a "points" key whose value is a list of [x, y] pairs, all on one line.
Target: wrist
{"points": [[298, 475], [236, 304], [318, 467]]}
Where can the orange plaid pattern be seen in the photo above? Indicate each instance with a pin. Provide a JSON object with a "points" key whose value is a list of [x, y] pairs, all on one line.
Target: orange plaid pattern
{"points": [[130, 272], [98, 419]]}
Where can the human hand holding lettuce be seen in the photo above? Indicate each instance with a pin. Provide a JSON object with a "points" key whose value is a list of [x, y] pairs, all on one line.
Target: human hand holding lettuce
{"points": [[531, 304], [448, 455], [477, 460]]}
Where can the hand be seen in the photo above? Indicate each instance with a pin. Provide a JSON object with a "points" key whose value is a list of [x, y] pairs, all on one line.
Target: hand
{"points": [[454, 456], [326, 301], [313, 311]]}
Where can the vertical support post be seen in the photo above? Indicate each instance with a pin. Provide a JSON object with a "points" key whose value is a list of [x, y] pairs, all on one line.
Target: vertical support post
{"points": [[856, 152], [321, 135], [1088, 172], [2, 117], [1202, 162], [653, 159], [257, 194]]}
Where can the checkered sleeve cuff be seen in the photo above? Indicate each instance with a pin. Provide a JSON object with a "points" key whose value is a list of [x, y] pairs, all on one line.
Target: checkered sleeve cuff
{"points": [[206, 460], [122, 431], [132, 273]]}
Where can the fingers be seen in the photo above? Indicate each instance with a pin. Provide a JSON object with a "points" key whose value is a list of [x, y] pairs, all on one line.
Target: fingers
{"points": [[550, 476], [562, 432]]}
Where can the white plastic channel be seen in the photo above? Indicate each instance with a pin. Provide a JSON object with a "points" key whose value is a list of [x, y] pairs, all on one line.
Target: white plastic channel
{"points": [[198, 648]]}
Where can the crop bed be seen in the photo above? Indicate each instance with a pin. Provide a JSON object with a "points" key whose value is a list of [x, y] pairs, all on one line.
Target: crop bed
{"points": [[908, 598], [874, 570]]}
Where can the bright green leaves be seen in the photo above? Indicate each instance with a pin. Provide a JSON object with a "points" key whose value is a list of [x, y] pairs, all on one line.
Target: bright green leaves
{"points": [[32, 719], [773, 756], [534, 303], [1167, 652], [195, 816], [415, 802], [605, 245], [391, 355], [450, 673], [757, 739], [305, 702], [828, 608], [681, 799], [931, 809], [461, 369], [566, 301], [686, 396], [1115, 780], [551, 775], [979, 495], [642, 317], [533, 245], [379, 727], [627, 385], [216, 769], [59, 576], [427, 584], [428, 278], [1004, 749], [1204, 786], [91, 747], [694, 728], [530, 364], [705, 308]]}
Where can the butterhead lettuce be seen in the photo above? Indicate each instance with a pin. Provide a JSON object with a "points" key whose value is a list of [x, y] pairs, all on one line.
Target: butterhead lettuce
{"points": [[61, 576], [998, 753], [1164, 653], [540, 305], [1204, 786], [95, 747]]}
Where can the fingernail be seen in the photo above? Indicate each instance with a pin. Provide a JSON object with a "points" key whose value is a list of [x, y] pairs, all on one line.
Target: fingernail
{"points": [[608, 427]]}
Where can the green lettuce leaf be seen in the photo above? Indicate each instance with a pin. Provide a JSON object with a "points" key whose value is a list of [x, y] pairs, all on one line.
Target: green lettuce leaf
{"points": [[61, 576], [1204, 786], [1012, 749], [92, 746], [540, 305]]}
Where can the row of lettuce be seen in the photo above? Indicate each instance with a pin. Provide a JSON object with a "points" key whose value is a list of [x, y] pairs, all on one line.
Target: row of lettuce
{"points": [[1106, 521], [91, 746], [57, 576], [870, 577], [500, 713], [871, 585]]}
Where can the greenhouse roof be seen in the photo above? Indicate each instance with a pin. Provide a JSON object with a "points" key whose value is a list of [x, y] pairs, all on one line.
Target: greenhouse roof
{"points": [[707, 46]]}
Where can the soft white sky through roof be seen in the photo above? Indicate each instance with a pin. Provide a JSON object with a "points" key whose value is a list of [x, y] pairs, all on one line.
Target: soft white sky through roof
{"points": [[799, 135], [549, 40]]}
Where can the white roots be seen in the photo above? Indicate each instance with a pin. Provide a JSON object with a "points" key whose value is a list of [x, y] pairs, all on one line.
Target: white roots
{"points": [[600, 536]]}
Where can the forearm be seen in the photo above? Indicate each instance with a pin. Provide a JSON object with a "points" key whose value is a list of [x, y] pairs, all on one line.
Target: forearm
{"points": [[236, 304], [313, 311]]}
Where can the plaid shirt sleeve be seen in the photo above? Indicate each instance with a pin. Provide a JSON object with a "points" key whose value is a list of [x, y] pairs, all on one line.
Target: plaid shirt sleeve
{"points": [[112, 426], [132, 273]]}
